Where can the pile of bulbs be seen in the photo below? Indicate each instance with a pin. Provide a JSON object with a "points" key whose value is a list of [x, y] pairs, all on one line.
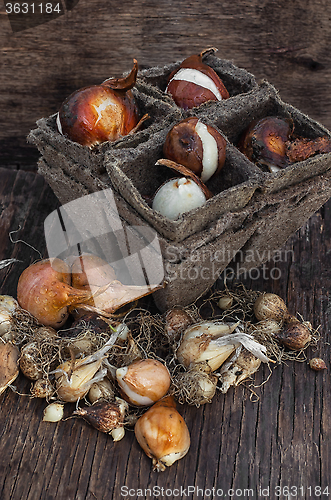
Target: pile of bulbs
{"points": [[98, 359]]}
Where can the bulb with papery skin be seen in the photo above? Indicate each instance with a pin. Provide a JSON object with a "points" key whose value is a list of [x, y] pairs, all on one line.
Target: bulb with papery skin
{"points": [[194, 82], [44, 291], [143, 382], [99, 113], [197, 146]]}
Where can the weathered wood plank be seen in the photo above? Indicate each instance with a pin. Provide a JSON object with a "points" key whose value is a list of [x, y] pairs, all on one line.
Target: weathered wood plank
{"points": [[288, 44]]}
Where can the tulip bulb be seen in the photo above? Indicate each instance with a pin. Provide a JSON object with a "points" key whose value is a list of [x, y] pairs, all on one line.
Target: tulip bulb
{"points": [[207, 345], [99, 113], [178, 196], [295, 335], [264, 142], [270, 306], [163, 434], [176, 321], [197, 146], [30, 362], [105, 416], [143, 382], [194, 82], [270, 143], [44, 291], [75, 377], [42, 388]]}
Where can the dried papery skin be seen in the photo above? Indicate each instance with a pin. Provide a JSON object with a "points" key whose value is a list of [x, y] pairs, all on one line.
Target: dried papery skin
{"points": [[75, 377], [270, 306], [163, 434], [264, 142], [107, 293], [105, 416], [245, 365], [197, 146], [106, 300], [44, 291], [89, 269], [9, 364], [143, 382], [301, 149], [194, 83], [100, 113]]}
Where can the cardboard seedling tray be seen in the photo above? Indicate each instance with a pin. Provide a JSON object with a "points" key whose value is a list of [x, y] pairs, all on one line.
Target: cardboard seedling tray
{"points": [[251, 210]]}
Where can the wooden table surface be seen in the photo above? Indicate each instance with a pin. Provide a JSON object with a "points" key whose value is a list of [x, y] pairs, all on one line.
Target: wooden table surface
{"points": [[240, 448]]}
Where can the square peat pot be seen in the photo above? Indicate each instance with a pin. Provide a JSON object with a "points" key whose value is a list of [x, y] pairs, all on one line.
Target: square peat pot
{"points": [[52, 144], [251, 212]]}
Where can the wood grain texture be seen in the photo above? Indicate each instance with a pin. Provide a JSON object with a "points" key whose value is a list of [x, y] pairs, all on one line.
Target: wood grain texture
{"points": [[280, 438], [288, 44]]}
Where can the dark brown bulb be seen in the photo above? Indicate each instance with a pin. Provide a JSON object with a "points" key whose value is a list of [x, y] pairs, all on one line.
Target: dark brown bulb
{"points": [[197, 146], [104, 416], [194, 82], [294, 336], [264, 142], [100, 113]]}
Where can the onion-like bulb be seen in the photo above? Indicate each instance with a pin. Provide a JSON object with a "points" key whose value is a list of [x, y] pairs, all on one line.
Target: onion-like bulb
{"points": [[44, 291], [178, 196], [143, 382], [100, 113], [194, 82], [163, 434], [270, 306]]}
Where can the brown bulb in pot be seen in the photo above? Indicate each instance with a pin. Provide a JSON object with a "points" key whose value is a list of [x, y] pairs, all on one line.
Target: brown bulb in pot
{"points": [[264, 142], [194, 82], [99, 113], [197, 146]]}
